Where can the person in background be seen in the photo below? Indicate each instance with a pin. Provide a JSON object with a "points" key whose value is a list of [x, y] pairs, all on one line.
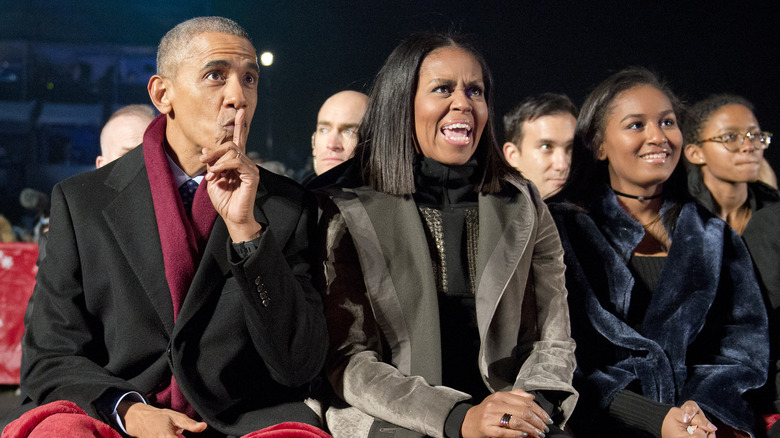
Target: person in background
{"points": [[276, 167], [176, 293], [766, 174], [763, 242], [123, 131], [670, 327], [724, 152], [539, 134], [443, 279], [6, 230], [335, 137]]}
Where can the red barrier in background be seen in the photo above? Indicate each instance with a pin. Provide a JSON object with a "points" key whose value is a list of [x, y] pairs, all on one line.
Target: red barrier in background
{"points": [[17, 280]]}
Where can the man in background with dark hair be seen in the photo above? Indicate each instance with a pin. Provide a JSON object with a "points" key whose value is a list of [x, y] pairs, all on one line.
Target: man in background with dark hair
{"points": [[539, 134], [176, 293]]}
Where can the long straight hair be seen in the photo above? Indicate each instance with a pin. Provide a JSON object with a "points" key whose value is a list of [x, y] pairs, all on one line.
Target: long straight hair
{"points": [[386, 140], [589, 177]]}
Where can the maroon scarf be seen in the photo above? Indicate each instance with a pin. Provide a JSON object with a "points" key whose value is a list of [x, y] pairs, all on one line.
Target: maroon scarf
{"points": [[182, 237]]}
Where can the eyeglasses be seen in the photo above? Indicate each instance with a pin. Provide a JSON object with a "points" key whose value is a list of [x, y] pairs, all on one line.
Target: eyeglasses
{"points": [[733, 141]]}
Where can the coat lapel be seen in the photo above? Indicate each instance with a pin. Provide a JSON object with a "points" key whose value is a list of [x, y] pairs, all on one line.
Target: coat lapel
{"points": [[505, 229], [205, 283], [399, 276], [131, 218], [398, 273], [215, 259], [688, 284]]}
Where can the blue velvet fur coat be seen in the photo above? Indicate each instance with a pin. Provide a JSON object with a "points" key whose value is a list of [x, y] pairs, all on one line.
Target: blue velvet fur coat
{"points": [[704, 333]]}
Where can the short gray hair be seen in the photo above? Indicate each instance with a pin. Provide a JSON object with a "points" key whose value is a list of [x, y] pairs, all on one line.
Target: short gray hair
{"points": [[172, 46]]}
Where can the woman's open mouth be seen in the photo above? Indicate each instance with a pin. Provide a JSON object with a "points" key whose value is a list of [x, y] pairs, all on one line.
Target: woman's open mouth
{"points": [[458, 133]]}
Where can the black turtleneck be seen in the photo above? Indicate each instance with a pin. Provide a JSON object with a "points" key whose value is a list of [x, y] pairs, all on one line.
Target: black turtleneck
{"points": [[441, 186], [449, 190]]}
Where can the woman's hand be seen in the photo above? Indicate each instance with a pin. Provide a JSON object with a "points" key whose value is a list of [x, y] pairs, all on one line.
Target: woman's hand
{"points": [[687, 421], [726, 431], [527, 419]]}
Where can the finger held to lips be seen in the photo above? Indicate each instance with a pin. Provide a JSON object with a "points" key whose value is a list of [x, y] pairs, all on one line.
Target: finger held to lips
{"points": [[238, 129]]}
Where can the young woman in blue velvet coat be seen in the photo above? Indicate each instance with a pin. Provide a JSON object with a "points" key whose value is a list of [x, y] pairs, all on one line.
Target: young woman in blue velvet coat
{"points": [[665, 307]]}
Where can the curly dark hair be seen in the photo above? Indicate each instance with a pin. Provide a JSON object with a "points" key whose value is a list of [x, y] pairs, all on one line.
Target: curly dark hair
{"points": [[695, 118], [699, 113]]}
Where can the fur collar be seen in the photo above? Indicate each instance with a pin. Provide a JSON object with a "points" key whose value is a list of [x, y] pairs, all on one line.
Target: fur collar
{"points": [[621, 230], [703, 337]]}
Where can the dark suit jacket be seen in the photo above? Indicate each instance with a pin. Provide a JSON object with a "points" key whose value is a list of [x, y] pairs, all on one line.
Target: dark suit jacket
{"points": [[100, 322]]}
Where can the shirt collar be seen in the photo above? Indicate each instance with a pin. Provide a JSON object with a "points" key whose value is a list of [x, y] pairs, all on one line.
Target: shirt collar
{"points": [[179, 176]]}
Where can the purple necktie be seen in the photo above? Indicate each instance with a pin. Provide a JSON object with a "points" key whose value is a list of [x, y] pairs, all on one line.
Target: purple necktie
{"points": [[187, 191]]}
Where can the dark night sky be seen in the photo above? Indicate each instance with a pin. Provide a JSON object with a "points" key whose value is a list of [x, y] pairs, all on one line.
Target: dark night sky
{"points": [[563, 46]]}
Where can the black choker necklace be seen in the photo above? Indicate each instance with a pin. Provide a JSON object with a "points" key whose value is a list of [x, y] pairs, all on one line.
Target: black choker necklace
{"points": [[638, 198]]}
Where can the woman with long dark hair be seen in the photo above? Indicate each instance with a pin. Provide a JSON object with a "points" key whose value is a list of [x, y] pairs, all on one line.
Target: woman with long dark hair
{"points": [[444, 286], [669, 324]]}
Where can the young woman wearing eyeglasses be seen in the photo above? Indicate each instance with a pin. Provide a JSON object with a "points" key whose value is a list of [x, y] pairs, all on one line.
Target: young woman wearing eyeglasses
{"points": [[724, 149]]}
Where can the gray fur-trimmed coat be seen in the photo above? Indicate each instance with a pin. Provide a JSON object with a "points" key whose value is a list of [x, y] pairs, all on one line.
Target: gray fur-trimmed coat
{"points": [[381, 306]]}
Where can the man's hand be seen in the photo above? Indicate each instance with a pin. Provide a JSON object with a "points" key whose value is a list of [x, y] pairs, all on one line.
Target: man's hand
{"points": [[144, 421], [232, 184]]}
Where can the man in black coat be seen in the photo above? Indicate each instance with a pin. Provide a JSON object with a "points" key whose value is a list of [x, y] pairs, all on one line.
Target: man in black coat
{"points": [[157, 307]]}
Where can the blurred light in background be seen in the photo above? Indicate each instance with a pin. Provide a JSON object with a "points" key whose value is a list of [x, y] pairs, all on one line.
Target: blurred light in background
{"points": [[267, 58]]}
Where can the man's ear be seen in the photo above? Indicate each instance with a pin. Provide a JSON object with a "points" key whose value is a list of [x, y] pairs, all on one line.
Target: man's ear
{"points": [[160, 92], [100, 161], [693, 154], [511, 153]]}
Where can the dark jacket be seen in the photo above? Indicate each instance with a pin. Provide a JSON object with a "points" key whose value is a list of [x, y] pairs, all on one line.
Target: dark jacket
{"points": [[762, 237], [100, 322], [704, 334], [760, 195]]}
